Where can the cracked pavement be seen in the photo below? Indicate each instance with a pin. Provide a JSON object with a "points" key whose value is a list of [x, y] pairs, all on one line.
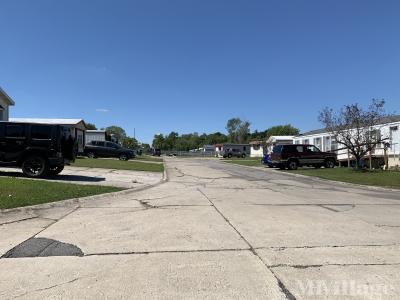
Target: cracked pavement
{"points": [[212, 231]]}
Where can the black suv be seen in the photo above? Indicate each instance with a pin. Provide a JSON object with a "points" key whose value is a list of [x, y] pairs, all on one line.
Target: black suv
{"points": [[108, 149], [297, 155], [39, 149]]}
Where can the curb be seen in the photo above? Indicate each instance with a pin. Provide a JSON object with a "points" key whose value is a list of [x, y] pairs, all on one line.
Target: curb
{"points": [[76, 201]]}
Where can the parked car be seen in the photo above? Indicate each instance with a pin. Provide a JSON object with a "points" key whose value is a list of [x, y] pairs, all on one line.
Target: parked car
{"points": [[38, 149], [156, 152], [297, 155], [108, 149], [233, 152]]}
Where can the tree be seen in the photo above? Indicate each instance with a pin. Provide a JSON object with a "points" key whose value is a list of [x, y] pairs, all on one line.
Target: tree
{"points": [[130, 143], [159, 142], [91, 126], [282, 130], [117, 131], [238, 130], [355, 128], [275, 130]]}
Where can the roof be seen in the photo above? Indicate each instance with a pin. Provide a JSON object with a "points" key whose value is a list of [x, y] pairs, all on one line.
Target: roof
{"points": [[281, 137], [95, 131], [4, 95], [256, 142], [384, 120], [47, 121], [50, 121]]}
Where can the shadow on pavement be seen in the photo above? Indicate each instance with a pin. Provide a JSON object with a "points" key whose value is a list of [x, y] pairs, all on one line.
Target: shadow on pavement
{"points": [[61, 177]]}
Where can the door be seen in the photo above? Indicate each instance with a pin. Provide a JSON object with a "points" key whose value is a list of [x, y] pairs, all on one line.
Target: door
{"points": [[101, 149], [111, 149], [313, 155], [14, 142]]}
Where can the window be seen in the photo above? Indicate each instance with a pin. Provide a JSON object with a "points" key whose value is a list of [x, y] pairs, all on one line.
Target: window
{"points": [[327, 143], [393, 131], [15, 131], [306, 141], [334, 144], [100, 144], [112, 145], [299, 149], [312, 149], [277, 149], [290, 149], [317, 142], [41, 132]]}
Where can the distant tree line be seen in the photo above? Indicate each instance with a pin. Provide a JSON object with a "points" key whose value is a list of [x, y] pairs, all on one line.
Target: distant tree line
{"points": [[237, 131]]}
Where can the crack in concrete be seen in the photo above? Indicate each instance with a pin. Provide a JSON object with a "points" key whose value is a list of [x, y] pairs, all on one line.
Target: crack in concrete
{"points": [[168, 251], [331, 264], [390, 226], [20, 220], [282, 248], [281, 285], [47, 288]]}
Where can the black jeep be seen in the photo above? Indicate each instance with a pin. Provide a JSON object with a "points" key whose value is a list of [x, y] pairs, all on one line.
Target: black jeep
{"points": [[39, 149]]}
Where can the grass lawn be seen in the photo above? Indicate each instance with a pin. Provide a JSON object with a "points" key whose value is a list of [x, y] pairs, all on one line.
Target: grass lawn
{"points": [[390, 179], [17, 192], [118, 164], [148, 158], [248, 161]]}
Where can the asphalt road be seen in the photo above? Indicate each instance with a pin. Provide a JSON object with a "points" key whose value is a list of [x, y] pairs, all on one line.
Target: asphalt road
{"points": [[213, 231]]}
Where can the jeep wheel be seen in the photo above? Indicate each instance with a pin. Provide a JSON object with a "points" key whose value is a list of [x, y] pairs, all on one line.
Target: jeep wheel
{"points": [[229, 155], [329, 163], [243, 155], [292, 165], [123, 157], [91, 154], [56, 170], [35, 167]]}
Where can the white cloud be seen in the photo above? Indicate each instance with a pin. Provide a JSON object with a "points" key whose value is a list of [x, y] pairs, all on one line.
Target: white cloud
{"points": [[102, 110]]}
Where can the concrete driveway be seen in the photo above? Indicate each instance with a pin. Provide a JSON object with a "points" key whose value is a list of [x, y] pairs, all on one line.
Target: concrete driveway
{"points": [[213, 231], [97, 176]]}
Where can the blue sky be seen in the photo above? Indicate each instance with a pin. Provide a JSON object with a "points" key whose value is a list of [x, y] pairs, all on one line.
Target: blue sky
{"points": [[188, 66]]}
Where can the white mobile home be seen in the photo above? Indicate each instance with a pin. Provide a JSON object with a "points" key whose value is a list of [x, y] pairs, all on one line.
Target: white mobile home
{"points": [[95, 135], [389, 129], [5, 103], [258, 148]]}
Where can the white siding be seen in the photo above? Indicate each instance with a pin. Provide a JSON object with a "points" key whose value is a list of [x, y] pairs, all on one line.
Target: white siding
{"points": [[325, 142], [256, 151]]}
